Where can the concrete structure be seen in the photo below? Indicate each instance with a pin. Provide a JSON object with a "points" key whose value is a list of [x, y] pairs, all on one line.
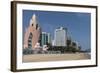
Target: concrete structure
{"points": [[49, 38], [32, 33], [45, 38], [69, 41], [60, 37], [77, 45], [53, 42]]}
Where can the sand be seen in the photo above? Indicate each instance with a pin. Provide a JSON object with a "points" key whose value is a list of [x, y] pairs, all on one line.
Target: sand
{"points": [[55, 57]]}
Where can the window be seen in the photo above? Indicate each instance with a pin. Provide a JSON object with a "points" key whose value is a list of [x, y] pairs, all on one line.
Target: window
{"points": [[32, 24], [36, 26], [30, 41]]}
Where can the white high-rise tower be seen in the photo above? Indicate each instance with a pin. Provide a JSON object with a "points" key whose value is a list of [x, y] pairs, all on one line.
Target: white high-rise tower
{"points": [[60, 37]]}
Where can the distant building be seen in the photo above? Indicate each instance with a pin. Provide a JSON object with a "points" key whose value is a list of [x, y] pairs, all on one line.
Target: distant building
{"points": [[60, 37], [53, 43], [32, 33], [49, 38], [45, 38], [76, 45], [69, 41]]}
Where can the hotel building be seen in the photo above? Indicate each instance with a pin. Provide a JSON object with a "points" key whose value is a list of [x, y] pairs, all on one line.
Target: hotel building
{"points": [[60, 37], [45, 38], [32, 34]]}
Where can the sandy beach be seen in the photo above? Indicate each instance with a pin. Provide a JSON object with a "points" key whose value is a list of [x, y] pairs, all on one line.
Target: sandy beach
{"points": [[55, 57]]}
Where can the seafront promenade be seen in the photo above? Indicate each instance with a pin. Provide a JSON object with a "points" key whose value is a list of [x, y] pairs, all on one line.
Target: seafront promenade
{"points": [[55, 57]]}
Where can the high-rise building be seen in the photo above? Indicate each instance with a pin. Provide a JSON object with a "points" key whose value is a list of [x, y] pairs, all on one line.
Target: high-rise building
{"points": [[69, 41], [60, 37], [32, 33], [49, 38], [45, 38]]}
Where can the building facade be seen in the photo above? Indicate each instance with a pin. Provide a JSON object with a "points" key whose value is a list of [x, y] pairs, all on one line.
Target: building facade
{"points": [[32, 33], [60, 37], [45, 38]]}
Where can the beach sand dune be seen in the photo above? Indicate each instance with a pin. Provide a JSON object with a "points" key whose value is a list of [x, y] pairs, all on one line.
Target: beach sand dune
{"points": [[55, 57]]}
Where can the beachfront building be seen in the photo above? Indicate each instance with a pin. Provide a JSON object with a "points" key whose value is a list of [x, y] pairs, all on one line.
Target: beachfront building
{"points": [[32, 34], [60, 37], [75, 44], [45, 38], [69, 41]]}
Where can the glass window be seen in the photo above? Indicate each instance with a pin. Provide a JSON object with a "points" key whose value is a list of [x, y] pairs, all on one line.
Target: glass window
{"points": [[30, 40]]}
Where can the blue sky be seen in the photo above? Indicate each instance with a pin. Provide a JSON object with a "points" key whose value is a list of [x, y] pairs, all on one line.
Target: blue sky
{"points": [[78, 24]]}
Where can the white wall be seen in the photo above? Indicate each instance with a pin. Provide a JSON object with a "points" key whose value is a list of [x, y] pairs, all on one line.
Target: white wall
{"points": [[5, 37]]}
